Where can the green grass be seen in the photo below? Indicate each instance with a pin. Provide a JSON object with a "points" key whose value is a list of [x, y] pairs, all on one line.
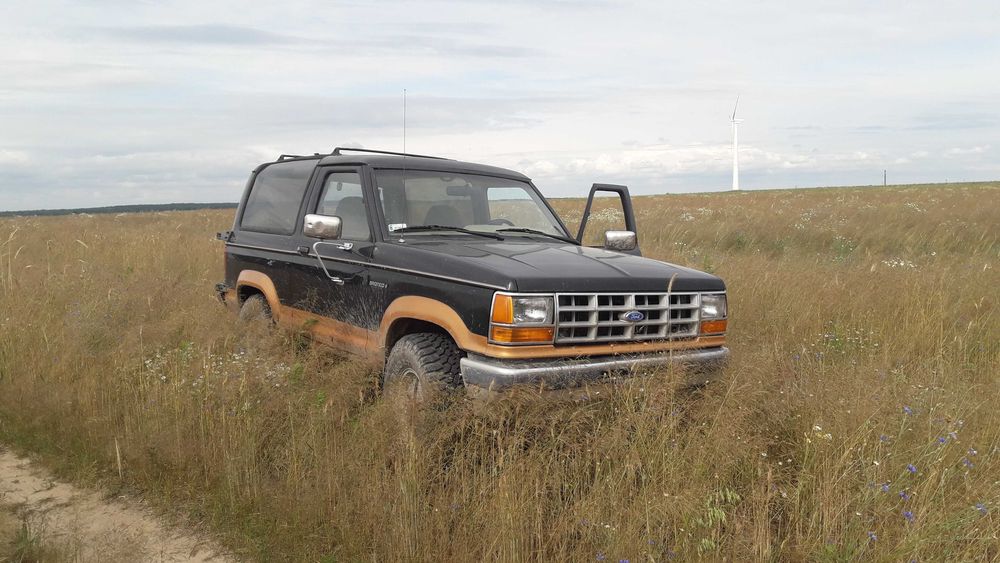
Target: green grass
{"points": [[865, 339]]}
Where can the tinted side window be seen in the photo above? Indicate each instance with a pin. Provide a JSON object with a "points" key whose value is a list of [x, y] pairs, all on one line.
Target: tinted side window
{"points": [[273, 205], [342, 197]]}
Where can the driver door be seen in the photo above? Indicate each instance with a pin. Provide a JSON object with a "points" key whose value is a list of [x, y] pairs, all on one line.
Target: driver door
{"points": [[336, 287]]}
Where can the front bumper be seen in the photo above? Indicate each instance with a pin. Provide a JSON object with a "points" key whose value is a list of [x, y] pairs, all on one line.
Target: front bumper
{"points": [[494, 375]]}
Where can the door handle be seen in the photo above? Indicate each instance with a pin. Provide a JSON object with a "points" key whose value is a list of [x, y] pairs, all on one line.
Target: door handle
{"points": [[338, 281], [342, 245]]}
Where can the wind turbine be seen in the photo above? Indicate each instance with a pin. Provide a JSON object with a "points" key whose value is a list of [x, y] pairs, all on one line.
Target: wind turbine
{"points": [[736, 147]]}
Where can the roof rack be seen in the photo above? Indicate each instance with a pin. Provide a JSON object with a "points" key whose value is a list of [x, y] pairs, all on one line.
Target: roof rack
{"points": [[288, 156], [338, 150]]}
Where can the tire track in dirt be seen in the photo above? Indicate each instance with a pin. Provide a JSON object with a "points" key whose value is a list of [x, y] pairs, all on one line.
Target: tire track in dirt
{"points": [[85, 526]]}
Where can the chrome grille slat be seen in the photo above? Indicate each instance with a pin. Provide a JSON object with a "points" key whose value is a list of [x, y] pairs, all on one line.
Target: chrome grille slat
{"points": [[594, 317]]}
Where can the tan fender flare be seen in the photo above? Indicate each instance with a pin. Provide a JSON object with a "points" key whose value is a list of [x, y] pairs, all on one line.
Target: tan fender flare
{"points": [[258, 280], [431, 311]]}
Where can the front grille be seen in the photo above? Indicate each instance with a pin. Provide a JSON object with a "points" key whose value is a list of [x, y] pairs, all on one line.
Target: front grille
{"points": [[597, 317]]}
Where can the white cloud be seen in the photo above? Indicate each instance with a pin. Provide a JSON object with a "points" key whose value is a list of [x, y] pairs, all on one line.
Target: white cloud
{"points": [[964, 151], [12, 157]]}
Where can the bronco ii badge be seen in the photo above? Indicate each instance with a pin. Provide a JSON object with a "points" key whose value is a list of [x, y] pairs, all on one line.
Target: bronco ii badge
{"points": [[632, 316]]}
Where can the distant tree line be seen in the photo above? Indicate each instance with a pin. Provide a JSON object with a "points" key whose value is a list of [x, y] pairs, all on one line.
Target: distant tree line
{"points": [[145, 208]]}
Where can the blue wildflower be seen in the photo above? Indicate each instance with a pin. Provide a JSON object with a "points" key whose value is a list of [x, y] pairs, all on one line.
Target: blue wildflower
{"points": [[872, 536], [907, 410], [904, 495], [623, 561], [981, 508], [883, 438], [600, 556], [911, 468], [942, 440], [909, 516], [885, 487], [966, 462]]}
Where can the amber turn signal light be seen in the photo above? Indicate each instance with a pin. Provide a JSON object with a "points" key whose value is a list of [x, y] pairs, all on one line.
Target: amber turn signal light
{"points": [[713, 327], [503, 309], [520, 335]]}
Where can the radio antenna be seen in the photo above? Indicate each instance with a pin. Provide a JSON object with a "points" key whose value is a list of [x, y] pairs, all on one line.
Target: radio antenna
{"points": [[402, 181]]}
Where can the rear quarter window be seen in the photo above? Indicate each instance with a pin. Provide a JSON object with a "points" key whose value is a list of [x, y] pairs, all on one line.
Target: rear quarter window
{"points": [[276, 196]]}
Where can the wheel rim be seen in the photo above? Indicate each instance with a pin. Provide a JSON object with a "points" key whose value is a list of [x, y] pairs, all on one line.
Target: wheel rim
{"points": [[411, 385]]}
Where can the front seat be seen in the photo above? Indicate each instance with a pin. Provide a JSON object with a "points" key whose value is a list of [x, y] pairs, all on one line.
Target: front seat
{"points": [[351, 211], [445, 215]]}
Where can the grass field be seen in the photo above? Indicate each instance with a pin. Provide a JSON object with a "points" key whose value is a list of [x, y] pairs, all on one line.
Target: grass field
{"points": [[859, 418]]}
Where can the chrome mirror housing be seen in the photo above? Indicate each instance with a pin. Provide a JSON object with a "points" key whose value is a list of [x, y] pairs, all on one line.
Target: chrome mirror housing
{"points": [[621, 241], [324, 227]]}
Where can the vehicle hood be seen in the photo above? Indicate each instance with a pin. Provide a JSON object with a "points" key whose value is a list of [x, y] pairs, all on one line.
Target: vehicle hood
{"points": [[542, 266]]}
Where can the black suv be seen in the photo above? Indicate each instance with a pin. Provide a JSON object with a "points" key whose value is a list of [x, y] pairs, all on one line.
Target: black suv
{"points": [[447, 273]]}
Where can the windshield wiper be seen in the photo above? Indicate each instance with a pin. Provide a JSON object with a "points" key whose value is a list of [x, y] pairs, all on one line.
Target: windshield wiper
{"points": [[427, 228], [540, 233]]}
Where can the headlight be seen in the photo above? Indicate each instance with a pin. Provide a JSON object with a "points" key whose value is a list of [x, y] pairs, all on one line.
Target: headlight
{"points": [[521, 319], [713, 306], [532, 310]]}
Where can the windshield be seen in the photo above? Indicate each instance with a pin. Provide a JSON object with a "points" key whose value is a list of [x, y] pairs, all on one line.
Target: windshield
{"points": [[469, 201]]}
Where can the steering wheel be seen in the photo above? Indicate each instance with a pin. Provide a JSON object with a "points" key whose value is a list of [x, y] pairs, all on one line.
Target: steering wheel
{"points": [[500, 221]]}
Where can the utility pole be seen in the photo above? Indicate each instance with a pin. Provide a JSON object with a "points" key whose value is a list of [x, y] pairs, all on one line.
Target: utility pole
{"points": [[884, 177]]}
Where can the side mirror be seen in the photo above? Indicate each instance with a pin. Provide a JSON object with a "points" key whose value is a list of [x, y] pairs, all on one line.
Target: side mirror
{"points": [[621, 241], [323, 227]]}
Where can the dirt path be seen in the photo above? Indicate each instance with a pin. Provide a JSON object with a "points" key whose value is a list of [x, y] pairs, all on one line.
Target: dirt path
{"points": [[81, 525]]}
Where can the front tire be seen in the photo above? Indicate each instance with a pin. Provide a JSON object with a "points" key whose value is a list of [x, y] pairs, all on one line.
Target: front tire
{"points": [[421, 366], [255, 309]]}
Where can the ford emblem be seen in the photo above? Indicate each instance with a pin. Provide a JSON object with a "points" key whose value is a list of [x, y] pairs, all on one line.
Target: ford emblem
{"points": [[633, 316]]}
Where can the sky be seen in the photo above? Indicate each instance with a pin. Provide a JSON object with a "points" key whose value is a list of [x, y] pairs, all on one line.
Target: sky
{"points": [[111, 102]]}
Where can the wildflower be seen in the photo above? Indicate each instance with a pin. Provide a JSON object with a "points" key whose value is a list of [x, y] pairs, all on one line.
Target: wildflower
{"points": [[967, 463], [972, 451], [911, 468], [909, 516], [885, 487], [872, 536], [883, 438], [904, 495], [942, 440], [600, 556], [907, 410], [953, 435], [981, 508]]}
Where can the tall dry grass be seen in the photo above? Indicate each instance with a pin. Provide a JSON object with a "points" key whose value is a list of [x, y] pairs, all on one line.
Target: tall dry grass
{"points": [[858, 419]]}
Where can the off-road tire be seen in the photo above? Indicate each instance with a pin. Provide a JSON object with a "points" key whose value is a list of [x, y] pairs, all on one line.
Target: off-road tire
{"points": [[255, 308], [421, 366]]}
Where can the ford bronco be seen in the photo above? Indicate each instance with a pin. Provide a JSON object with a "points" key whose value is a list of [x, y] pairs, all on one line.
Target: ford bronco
{"points": [[444, 273]]}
